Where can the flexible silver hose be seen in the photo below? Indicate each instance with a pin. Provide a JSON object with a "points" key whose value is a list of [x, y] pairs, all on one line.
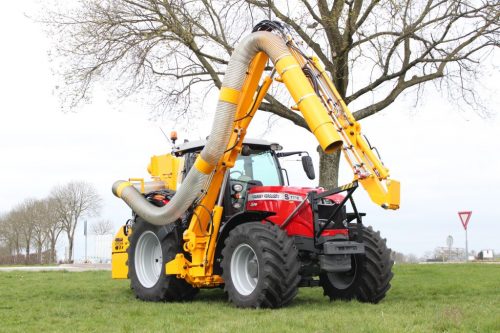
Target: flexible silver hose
{"points": [[222, 126]]}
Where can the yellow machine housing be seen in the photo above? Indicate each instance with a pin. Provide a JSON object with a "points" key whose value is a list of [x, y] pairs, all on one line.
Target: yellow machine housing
{"points": [[165, 168], [119, 255]]}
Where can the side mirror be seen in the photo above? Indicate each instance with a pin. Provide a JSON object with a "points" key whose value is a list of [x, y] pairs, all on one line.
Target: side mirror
{"points": [[246, 151], [308, 166]]}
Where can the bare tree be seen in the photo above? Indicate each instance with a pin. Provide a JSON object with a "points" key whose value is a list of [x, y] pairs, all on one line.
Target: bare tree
{"points": [[73, 201], [5, 249], [10, 234], [398, 257], [39, 228], [23, 219], [47, 228], [9, 237], [53, 226], [31, 223], [3, 223], [412, 258], [374, 50], [102, 227]]}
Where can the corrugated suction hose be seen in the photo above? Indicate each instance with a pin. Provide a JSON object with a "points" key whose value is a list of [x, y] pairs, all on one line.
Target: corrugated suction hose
{"points": [[191, 189]]}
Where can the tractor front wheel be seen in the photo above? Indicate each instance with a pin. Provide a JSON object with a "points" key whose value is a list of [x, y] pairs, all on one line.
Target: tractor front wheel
{"points": [[260, 266], [370, 275]]}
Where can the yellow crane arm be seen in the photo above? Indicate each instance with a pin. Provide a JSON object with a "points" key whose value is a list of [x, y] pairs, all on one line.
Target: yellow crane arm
{"points": [[367, 167], [329, 120]]}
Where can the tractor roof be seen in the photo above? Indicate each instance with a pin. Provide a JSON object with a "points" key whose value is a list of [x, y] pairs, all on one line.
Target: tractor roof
{"points": [[193, 146]]}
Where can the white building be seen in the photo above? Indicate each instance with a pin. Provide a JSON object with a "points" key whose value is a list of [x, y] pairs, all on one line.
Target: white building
{"points": [[485, 254]]}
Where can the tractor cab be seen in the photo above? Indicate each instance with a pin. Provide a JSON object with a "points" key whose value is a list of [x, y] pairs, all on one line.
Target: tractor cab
{"points": [[257, 165]]}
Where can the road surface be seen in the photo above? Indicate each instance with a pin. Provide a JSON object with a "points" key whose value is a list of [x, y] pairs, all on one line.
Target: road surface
{"points": [[64, 267]]}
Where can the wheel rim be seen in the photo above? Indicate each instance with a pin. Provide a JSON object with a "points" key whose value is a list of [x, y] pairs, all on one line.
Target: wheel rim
{"points": [[244, 269], [148, 259], [345, 279]]}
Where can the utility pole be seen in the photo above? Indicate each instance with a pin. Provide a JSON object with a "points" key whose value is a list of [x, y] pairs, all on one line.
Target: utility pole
{"points": [[85, 233]]}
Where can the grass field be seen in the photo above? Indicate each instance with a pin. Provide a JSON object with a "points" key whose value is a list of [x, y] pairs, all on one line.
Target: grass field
{"points": [[424, 298]]}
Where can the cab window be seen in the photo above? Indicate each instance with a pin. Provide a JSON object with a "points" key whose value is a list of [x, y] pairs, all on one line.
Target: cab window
{"points": [[260, 167]]}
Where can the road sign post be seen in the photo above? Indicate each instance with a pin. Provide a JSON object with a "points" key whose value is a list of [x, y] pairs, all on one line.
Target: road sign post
{"points": [[85, 233], [465, 218]]}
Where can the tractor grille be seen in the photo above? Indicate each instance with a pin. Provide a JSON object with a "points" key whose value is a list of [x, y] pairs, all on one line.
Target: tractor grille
{"points": [[326, 209]]}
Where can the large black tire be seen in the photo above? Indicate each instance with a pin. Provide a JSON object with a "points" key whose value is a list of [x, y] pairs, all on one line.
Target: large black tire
{"points": [[166, 287], [272, 266], [370, 276]]}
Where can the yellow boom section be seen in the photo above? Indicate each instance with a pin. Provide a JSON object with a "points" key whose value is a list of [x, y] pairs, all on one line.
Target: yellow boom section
{"points": [[368, 169], [201, 236]]}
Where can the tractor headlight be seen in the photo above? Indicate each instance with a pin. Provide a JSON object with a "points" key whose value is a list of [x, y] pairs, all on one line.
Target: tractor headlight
{"points": [[237, 187]]}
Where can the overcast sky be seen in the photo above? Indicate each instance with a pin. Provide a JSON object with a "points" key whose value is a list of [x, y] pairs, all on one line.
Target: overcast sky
{"points": [[446, 159]]}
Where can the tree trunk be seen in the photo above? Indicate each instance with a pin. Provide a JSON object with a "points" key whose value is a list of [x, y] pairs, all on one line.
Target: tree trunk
{"points": [[18, 249], [70, 250], [39, 252], [328, 169], [27, 255], [70, 247], [53, 251]]}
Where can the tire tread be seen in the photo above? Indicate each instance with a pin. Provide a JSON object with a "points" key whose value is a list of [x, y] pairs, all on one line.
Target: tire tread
{"points": [[170, 289], [279, 270], [374, 271]]}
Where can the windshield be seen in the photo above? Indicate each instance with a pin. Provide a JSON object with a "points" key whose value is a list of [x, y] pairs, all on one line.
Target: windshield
{"points": [[259, 167]]}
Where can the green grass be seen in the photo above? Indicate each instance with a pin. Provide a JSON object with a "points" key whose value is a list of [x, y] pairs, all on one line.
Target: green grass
{"points": [[424, 298]]}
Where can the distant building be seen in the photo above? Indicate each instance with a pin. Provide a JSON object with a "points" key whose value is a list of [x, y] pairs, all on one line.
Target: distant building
{"points": [[485, 255], [103, 248], [448, 254]]}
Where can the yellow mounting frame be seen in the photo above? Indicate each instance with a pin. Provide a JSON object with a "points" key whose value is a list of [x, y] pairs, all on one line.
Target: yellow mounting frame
{"points": [[200, 237]]}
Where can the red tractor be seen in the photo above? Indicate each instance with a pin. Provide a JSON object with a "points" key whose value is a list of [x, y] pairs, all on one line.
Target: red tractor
{"points": [[273, 238]]}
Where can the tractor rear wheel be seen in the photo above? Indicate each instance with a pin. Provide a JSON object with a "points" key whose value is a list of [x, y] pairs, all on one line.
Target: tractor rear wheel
{"points": [[260, 266], [370, 275], [151, 247]]}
